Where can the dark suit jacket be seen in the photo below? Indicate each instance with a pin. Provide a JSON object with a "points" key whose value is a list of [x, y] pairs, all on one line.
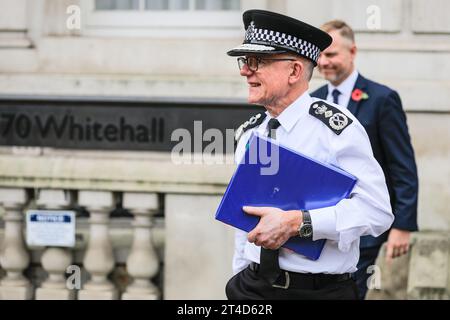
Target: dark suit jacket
{"points": [[383, 118]]}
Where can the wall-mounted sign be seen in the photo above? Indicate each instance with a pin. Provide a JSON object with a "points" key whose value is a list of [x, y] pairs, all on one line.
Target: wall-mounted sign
{"points": [[114, 124], [50, 228]]}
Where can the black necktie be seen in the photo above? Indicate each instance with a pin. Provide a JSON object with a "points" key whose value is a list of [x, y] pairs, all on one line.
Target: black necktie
{"points": [[272, 126], [269, 267], [335, 93]]}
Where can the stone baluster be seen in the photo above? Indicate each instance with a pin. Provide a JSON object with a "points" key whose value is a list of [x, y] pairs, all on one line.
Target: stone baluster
{"points": [[14, 257], [142, 262], [55, 260], [99, 258]]}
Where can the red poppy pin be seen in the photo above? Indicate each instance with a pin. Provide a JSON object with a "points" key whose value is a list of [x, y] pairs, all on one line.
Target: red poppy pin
{"points": [[358, 94]]}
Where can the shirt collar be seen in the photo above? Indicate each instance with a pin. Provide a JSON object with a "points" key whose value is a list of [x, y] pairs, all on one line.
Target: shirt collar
{"points": [[347, 85], [289, 117]]}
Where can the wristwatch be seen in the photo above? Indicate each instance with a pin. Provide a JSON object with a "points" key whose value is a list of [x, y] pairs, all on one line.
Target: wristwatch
{"points": [[305, 230]]}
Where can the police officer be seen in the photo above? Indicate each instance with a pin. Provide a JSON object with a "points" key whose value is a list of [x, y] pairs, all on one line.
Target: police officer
{"points": [[277, 58]]}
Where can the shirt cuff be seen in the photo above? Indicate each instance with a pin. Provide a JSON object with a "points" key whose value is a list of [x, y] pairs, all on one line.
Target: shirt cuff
{"points": [[324, 224]]}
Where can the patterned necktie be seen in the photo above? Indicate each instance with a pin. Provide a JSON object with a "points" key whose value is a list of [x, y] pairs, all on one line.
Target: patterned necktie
{"points": [[269, 267], [335, 93]]}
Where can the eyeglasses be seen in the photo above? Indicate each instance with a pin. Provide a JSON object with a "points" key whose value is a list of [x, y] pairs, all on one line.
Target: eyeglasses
{"points": [[253, 62]]}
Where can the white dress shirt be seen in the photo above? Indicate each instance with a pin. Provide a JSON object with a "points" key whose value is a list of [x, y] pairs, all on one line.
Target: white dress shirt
{"points": [[345, 88], [366, 212]]}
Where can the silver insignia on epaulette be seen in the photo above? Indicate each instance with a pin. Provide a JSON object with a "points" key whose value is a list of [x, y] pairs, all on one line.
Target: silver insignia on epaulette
{"points": [[328, 113], [338, 121], [239, 132], [253, 120], [321, 109]]}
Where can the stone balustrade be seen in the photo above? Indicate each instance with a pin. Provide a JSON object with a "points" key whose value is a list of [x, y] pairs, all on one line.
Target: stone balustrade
{"points": [[141, 254], [113, 258]]}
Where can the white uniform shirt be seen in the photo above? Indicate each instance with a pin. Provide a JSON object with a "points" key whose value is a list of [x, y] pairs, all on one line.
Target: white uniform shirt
{"points": [[366, 212], [345, 88]]}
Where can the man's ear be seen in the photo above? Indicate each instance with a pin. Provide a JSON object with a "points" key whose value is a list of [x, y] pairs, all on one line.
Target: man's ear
{"points": [[297, 70], [353, 51]]}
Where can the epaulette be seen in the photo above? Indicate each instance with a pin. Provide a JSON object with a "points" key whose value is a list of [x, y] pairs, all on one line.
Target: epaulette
{"points": [[331, 116], [254, 121]]}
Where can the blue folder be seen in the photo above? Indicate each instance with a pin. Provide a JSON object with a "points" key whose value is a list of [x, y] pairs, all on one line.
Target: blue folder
{"points": [[300, 183]]}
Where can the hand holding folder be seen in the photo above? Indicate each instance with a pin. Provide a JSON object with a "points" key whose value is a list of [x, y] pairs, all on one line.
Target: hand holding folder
{"points": [[299, 183]]}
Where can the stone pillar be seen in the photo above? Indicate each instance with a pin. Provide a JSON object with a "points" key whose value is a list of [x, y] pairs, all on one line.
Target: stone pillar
{"points": [[99, 258], [429, 271], [142, 263], [198, 249], [14, 256], [55, 260]]}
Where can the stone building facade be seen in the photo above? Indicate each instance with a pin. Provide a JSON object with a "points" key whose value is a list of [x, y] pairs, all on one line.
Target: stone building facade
{"points": [[80, 49]]}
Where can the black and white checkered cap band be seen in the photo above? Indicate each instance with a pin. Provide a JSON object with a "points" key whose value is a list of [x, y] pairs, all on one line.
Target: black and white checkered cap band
{"points": [[266, 37]]}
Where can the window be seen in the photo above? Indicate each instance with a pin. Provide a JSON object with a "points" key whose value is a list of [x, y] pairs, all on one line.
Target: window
{"points": [[162, 18], [142, 5]]}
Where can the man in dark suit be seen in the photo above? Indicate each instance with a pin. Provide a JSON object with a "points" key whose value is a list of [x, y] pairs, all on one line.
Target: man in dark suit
{"points": [[379, 109]]}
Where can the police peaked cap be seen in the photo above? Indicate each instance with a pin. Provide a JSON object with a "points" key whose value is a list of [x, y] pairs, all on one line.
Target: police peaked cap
{"points": [[269, 33]]}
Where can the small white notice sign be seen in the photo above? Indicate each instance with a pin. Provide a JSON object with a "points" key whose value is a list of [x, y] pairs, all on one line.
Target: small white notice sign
{"points": [[51, 228]]}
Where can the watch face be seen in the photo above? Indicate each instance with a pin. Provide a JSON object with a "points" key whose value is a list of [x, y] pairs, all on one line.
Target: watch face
{"points": [[306, 231]]}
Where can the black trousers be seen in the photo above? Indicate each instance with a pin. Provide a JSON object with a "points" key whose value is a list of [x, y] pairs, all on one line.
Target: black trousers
{"points": [[248, 285]]}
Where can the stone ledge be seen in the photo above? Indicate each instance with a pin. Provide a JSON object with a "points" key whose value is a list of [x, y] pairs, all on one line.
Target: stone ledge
{"points": [[139, 175], [223, 89]]}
